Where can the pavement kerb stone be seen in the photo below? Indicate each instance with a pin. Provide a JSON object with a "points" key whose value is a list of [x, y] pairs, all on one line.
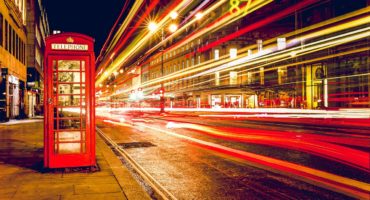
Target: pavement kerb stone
{"points": [[128, 184]]}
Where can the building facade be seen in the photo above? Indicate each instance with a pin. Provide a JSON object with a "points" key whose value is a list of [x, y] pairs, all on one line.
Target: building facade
{"points": [[282, 54], [37, 31], [304, 74], [13, 60]]}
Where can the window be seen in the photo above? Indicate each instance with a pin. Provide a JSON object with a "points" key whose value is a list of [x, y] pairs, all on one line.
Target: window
{"points": [[198, 59], [192, 61], [281, 43], [233, 78], [233, 53], [16, 46], [217, 54], [183, 65], [187, 62], [6, 36], [1, 29]]}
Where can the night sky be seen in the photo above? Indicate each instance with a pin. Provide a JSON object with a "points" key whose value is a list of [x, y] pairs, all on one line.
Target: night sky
{"points": [[93, 18]]}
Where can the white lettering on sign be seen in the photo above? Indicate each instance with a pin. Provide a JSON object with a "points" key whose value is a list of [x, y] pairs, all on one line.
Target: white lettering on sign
{"points": [[77, 47]]}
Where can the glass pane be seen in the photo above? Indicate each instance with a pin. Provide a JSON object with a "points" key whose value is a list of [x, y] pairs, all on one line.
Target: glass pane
{"points": [[69, 112], [69, 89], [65, 148], [72, 100], [83, 147], [70, 65], [69, 123], [83, 138], [83, 77], [69, 77], [83, 65], [69, 136], [83, 101], [83, 124]]}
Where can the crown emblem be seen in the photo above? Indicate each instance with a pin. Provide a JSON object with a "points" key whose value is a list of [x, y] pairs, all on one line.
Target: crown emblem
{"points": [[70, 40]]}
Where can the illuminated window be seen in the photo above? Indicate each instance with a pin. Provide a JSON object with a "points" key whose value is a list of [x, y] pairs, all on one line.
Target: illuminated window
{"points": [[259, 45], [233, 78], [217, 54], [187, 62], [198, 59], [233, 53], [249, 77], [281, 43]]}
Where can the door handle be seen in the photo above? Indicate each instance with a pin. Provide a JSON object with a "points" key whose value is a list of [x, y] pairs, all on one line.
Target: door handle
{"points": [[50, 100]]}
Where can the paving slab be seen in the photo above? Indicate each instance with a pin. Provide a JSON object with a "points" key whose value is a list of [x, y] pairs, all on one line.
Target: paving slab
{"points": [[22, 175]]}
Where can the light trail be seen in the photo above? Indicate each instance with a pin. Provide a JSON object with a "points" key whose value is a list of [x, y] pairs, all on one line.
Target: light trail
{"points": [[134, 9], [314, 144], [347, 186], [137, 43], [247, 61], [325, 23]]}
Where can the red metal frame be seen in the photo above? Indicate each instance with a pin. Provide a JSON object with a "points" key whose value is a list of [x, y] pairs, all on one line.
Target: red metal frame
{"points": [[53, 157]]}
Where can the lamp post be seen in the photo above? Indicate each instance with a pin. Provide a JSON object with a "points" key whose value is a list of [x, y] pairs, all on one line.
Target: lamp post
{"points": [[162, 99], [172, 28]]}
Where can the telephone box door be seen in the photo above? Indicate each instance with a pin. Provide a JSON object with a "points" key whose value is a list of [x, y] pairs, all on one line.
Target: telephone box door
{"points": [[69, 135]]}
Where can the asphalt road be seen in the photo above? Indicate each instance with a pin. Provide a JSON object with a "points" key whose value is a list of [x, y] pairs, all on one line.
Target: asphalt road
{"points": [[212, 158]]}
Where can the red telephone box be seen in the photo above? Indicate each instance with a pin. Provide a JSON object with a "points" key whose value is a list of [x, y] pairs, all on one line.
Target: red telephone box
{"points": [[69, 101]]}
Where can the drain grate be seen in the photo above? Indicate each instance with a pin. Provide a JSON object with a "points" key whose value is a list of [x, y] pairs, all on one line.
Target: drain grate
{"points": [[136, 145]]}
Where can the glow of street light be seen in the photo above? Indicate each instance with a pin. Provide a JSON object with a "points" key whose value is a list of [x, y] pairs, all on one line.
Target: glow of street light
{"points": [[198, 16], [173, 28], [121, 71], [152, 26], [174, 15]]}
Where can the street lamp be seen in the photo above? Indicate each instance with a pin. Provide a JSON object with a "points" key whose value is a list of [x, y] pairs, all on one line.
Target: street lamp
{"points": [[152, 26], [174, 15], [199, 15], [173, 28]]}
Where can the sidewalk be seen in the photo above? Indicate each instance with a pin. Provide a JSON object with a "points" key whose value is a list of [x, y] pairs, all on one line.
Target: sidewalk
{"points": [[22, 175]]}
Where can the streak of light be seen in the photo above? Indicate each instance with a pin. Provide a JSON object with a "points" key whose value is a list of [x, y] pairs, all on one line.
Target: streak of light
{"points": [[284, 112], [137, 43], [325, 23], [124, 25], [286, 54], [307, 143], [247, 61], [259, 24], [344, 185]]}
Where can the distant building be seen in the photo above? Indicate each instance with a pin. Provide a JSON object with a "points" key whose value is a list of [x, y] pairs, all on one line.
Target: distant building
{"points": [[286, 54], [13, 60], [37, 31]]}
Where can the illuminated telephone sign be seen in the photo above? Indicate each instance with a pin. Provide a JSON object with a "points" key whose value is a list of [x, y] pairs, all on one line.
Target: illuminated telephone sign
{"points": [[69, 101]]}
